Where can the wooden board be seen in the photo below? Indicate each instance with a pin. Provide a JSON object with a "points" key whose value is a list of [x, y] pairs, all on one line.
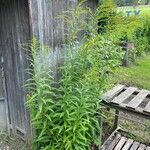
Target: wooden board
{"points": [[128, 144], [114, 142], [148, 148], [120, 143], [142, 147], [14, 33], [147, 108], [111, 93], [129, 99], [137, 100], [124, 95], [135, 146]]}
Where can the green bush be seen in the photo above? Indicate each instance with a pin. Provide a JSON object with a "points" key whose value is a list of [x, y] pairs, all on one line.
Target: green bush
{"points": [[115, 25], [142, 39], [68, 117]]}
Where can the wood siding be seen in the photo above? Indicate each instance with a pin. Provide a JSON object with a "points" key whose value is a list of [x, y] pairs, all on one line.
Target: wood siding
{"points": [[21, 20], [14, 31], [48, 27]]}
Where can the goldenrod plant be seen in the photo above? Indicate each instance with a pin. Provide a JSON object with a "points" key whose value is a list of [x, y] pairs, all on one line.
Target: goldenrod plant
{"points": [[68, 116]]}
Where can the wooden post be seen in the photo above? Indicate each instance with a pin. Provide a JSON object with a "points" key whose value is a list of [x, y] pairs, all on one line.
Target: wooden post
{"points": [[116, 122], [101, 130], [126, 58]]}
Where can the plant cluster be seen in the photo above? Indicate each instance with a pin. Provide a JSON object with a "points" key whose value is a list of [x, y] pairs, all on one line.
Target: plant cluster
{"points": [[142, 39], [122, 29], [66, 114]]}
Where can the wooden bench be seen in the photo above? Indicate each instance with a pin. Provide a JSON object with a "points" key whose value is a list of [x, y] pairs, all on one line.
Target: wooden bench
{"points": [[129, 100], [117, 141]]}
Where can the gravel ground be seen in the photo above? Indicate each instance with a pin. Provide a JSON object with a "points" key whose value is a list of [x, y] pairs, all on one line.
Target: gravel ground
{"points": [[7, 143], [3, 146]]}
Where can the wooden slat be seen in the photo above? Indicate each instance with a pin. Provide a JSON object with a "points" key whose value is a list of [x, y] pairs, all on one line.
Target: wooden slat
{"points": [[147, 108], [111, 93], [137, 100], [124, 95], [148, 148], [135, 146], [142, 147], [2, 99], [121, 143], [114, 142], [128, 144]]}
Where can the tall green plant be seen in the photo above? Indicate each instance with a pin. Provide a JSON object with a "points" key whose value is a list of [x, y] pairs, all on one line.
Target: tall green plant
{"points": [[68, 117]]}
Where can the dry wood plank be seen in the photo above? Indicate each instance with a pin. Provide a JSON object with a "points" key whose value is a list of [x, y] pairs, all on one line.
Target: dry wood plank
{"points": [[137, 100], [121, 143], [111, 93], [124, 95], [148, 148], [142, 147], [114, 142], [109, 140], [2, 99], [128, 144], [147, 108], [135, 146]]}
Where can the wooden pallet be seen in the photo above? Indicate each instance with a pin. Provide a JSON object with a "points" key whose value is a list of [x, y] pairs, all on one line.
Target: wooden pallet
{"points": [[130, 99], [119, 142]]}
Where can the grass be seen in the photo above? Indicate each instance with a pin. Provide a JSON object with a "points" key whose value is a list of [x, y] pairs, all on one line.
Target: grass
{"points": [[135, 75]]}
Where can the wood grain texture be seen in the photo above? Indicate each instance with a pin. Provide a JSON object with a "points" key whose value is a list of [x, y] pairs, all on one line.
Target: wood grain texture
{"points": [[148, 148], [111, 93], [147, 108], [137, 100], [142, 147], [120, 143], [135, 146], [114, 142], [128, 144], [14, 32], [20, 21], [124, 95]]}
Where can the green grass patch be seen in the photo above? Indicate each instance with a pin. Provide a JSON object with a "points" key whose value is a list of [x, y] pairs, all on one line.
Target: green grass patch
{"points": [[136, 75]]}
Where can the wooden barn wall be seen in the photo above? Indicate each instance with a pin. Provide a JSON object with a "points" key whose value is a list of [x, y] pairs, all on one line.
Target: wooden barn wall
{"points": [[47, 25], [45, 21], [14, 32], [17, 23]]}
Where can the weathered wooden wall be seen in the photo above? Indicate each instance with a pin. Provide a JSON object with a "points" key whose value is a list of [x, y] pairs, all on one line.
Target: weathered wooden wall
{"points": [[21, 20], [3, 112], [15, 31], [45, 19], [47, 25]]}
